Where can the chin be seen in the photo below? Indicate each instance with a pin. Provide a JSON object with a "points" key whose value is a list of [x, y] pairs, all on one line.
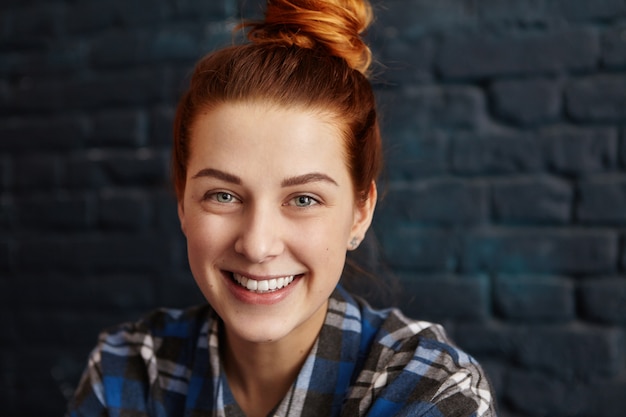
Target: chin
{"points": [[259, 333]]}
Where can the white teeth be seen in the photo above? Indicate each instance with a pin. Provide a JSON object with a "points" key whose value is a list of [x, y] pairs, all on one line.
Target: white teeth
{"points": [[264, 285], [252, 285]]}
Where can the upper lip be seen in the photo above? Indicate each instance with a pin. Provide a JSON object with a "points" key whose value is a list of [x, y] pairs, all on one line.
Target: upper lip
{"points": [[263, 277]]}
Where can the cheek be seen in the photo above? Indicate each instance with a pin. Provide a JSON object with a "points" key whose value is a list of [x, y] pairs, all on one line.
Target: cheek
{"points": [[206, 238], [324, 240]]}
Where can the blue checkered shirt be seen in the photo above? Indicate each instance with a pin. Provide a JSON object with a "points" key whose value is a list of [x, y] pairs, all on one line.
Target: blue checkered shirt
{"points": [[365, 362]]}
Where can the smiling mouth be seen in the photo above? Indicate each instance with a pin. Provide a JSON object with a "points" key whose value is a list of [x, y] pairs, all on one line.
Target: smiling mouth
{"points": [[263, 286]]}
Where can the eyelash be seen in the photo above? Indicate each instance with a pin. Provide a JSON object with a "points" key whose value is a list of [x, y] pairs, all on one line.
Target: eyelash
{"points": [[215, 196], [313, 201]]}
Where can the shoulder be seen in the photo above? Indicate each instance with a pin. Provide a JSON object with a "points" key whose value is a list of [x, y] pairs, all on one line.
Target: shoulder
{"points": [[388, 328], [413, 367], [160, 324], [141, 347], [136, 358]]}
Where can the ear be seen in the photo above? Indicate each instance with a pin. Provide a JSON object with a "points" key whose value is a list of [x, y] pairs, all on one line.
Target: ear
{"points": [[181, 216], [363, 214]]}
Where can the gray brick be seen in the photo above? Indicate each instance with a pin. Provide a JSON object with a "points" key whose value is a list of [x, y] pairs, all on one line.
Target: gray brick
{"points": [[141, 12], [406, 60], [62, 59], [535, 299], [436, 202], [418, 249], [419, 16], [176, 44], [426, 107], [534, 393], [579, 151], [219, 35], [502, 12], [7, 214], [597, 98], [161, 122], [122, 49], [93, 16], [144, 167], [124, 211], [178, 82], [49, 212], [8, 320], [251, 9], [38, 172], [604, 300], [527, 102], [4, 91], [34, 25], [132, 87], [607, 399], [37, 94], [495, 340], [180, 292], [495, 154], [85, 170], [441, 297], [544, 200], [90, 293], [572, 352], [6, 173], [164, 205], [6, 255], [412, 158], [585, 11], [44, 388], [614, 47], [62, 327], [124, 128], [622, 148], [141, 167], [602, 200], [541, 251], [110, 253], [484, 56], [210, 9], [561, 149], [49, 133]]}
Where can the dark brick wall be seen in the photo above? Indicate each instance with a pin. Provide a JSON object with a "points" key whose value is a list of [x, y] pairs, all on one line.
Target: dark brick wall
{"points": [[505, 209]]}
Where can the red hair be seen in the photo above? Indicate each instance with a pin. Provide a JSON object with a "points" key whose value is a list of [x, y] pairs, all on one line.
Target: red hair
{"points": [[306, 54]]}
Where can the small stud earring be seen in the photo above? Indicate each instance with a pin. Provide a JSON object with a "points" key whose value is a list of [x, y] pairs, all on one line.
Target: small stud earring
{"points": [[354, 243]]}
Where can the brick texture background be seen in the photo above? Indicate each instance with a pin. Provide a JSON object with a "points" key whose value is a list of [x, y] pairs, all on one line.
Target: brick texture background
{"points": [[505, 209]]}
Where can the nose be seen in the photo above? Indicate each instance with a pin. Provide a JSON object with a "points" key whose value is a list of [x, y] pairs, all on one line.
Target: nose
{"points": [[260, 238]]}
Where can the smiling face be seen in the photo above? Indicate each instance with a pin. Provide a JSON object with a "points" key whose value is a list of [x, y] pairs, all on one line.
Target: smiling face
{"points": [[269, 212]]}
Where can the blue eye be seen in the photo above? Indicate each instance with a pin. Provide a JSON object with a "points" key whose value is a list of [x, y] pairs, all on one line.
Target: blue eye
{"points": [[223, 197], [304, 201]]}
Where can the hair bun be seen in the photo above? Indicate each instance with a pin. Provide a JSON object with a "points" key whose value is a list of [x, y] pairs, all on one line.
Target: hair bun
{"points": [[336, 25]]}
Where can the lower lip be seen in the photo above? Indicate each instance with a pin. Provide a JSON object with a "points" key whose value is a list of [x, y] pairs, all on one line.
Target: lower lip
{"points": [[266, 298]]}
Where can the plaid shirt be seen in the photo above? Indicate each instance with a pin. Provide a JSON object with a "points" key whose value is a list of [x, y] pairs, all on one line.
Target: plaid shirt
{"points": [[364, 363]]}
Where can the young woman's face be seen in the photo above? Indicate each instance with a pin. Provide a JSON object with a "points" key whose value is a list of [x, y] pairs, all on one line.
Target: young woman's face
{"points": [[269, 212]]}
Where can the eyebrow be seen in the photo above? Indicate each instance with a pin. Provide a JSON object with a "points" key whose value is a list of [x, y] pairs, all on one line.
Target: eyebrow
{"points": [[287, 182], [307, 178], [220, 175]]}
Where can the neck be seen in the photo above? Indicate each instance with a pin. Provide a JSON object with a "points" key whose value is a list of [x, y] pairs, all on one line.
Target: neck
{"points": [[260, 374]]}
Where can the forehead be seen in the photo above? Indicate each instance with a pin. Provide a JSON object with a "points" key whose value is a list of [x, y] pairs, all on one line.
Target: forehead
{"points": [[258, 133]]}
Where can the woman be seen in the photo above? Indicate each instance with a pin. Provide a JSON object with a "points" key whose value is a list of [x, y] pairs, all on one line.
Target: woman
{"points": [[275, 157]]}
